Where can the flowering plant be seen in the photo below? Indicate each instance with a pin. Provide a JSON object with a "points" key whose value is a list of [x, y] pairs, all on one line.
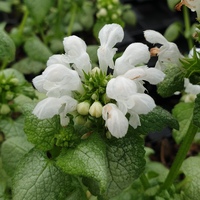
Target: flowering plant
{"points": [[85, 136]]}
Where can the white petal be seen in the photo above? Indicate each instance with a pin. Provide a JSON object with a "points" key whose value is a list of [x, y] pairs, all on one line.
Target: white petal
{"points": [[58, 59], [190, 88], [134, 120], [116, 122], [47, 108], [136, 53], [58, 80], [154, 76], [38, 83], [120, 88], [51, 106], [137, 73], [155, 37], [141, 103], [111, 34], [105, 56], [75, 52], [169, 53]]}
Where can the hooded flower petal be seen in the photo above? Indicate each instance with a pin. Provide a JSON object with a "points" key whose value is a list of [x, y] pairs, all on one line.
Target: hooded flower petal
{"points": [[109, 35], [58, 59], [116, 122], [120, 88], [155, 37], [38, 82], [51, 106], [152, 75], [190, 88], [167, 53], [141, 103], [75, 52], [134, 54], [134, 120], [57, 80]]}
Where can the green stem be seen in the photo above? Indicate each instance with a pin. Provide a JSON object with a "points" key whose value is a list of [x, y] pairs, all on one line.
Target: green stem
{"points": [[144, 181], [72, 19], [22, 24], [59, 19], [4, 64], [187, 27], [182, 152]]}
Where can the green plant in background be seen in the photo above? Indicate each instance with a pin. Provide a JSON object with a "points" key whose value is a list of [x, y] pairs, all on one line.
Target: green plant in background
{"points": [[39, 26]]}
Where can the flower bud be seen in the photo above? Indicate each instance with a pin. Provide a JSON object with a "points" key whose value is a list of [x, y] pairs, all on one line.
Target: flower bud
{"points": [[5, 109], [96, 109], [9, 95], [102, 13], [94, 96], [79, 120], [95, 70], [83, 108], [14, 81]]}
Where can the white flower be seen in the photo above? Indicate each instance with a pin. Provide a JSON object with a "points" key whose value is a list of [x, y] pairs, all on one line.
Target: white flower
{"points": [[51, 106], [139, 104], [194, 5], [75, 54], [75, 51], [134, 54], [110, 97], [116, 122], [167, 53], [120, 88], [57, 80], [190, 88], [138, 74], [124, 91], [109, 35]]}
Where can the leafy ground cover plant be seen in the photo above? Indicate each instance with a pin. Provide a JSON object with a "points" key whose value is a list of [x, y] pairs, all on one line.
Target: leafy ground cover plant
{"points": [[84, 136], [35, 29]]}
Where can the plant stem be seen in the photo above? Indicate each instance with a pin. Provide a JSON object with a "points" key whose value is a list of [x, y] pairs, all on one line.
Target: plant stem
{"points": [[72, 19], [22, 24], [182, 152], [4, 64], [59, 19], [144, 181], [187, 27]]}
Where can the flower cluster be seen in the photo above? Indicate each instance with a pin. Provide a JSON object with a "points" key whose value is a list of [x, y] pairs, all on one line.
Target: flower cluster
{"points": [[72, 86]]}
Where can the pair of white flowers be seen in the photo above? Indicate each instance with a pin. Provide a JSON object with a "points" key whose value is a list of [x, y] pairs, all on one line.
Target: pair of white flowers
{"points": [[64, 76]]}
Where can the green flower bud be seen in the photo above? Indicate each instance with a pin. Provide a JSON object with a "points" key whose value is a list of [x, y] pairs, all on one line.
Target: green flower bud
{"points": [[7, 87], [79, 120], [14, 81], [9, 95], [94, 96], [102, 13], [95, 70], [83, 108], [96, 109], [5, 109]]}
